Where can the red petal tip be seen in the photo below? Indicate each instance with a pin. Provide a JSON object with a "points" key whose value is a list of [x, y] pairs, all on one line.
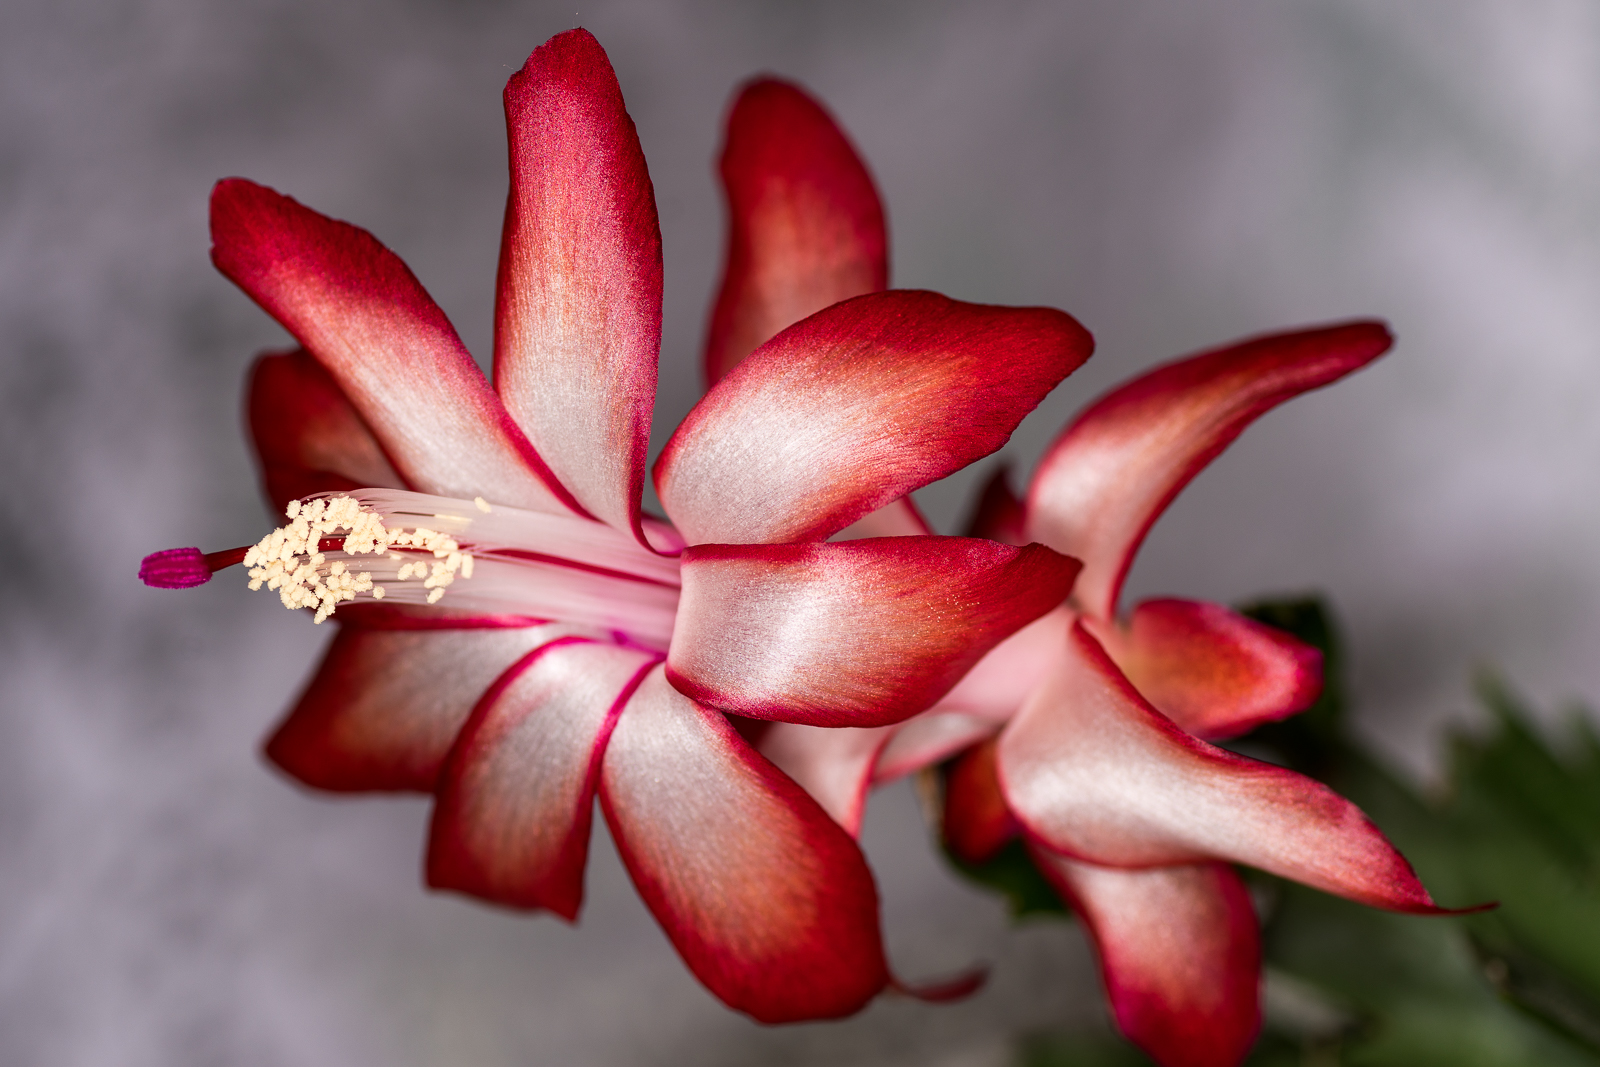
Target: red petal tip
{"points": [[175, 568]]}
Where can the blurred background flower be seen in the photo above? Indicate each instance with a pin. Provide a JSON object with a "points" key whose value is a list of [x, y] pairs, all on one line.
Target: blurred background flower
{"points": [[1169, 174]]}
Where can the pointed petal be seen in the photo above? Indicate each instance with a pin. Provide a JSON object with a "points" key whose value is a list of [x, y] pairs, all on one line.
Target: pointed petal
{"points": [[1120, 463], [833, 765], [976, 821], [517, 795], [805, 225], [999, 514], [1180, 954], [855, 406], [859, 633], [366, 318], [578, 307], [385, 704], [1091, 770], [769, 902], [1212, 671]]}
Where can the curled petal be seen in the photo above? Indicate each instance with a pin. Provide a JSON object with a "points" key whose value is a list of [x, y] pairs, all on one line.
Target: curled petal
{"points": [[1120, 463], [769, 902], [1093, 771], [855, 406], [806, 227], [354, 306], [858, 633], [308, 437], [517, 796], [385, 704], [1212, 671], [578, 306], [1180, 954], [833, 765], [976, 821]]}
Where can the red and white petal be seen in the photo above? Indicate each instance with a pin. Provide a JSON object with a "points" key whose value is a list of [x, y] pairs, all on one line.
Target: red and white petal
{"points": [[1093, 771], [1212, 671], [806, 227], [858, 633], [855, 406], [767, 899], [516, 798], [578, 306], [833, 765], [385, 705], [1120, 463], [976, 821], [1180, 954], [308, 439], [354, 306]]}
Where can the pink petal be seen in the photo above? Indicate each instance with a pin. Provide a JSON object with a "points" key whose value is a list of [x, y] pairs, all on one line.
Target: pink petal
{"points": [[833, 765], [1120, 463], [517, 795], [898, 518], [1180, 953], [858, 633], [806, 227], [769, 902], [578, 308], [976, 821], [1212, 671], [999, 514], [929, 738], [996, 688], [366, 318], [855, 406], [308, 437], [1093, 771], [986, 697], [385, 704]]}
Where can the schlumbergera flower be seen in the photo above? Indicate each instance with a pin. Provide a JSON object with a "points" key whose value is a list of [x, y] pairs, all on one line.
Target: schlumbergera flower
{"points": [[517, 636], [1086, 733]]}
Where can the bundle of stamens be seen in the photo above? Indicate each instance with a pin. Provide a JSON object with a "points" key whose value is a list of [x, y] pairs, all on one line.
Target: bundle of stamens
{"points": [[294, 559]]}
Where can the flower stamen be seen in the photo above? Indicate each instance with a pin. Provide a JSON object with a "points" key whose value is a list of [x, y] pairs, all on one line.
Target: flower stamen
{"points": [[399, 546], [295, 559]]}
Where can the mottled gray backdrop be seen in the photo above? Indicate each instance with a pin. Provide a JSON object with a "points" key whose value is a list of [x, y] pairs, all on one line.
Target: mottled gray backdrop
{"points": [[1174, 174]]}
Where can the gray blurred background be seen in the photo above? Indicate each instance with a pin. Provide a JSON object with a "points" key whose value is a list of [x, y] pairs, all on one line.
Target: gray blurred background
{"points": [[1175, 175]]}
